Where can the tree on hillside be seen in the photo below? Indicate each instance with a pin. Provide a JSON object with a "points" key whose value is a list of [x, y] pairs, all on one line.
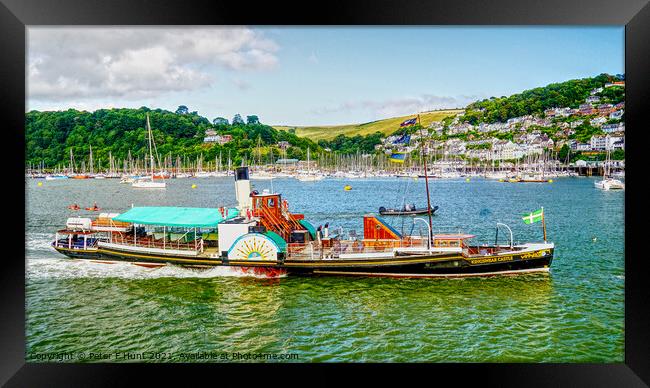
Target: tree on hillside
{"points": [[534, 101], [220, 121], [182, 110], [250, 120], [49, 136], [237, 120], [564, 151]]}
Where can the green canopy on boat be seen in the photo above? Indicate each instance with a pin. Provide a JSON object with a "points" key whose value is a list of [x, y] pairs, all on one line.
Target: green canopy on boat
{"points": [[185, 217], [277, 239]]}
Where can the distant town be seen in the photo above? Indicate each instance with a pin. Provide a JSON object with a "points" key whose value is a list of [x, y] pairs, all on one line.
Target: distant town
{"points": [[529, 135]]}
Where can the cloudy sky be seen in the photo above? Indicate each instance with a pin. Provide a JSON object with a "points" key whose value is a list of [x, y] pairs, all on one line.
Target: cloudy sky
{"points": [[306, 76]]}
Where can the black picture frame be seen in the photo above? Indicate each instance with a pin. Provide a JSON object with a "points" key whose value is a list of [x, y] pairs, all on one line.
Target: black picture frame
{"points": [[15, 15]]}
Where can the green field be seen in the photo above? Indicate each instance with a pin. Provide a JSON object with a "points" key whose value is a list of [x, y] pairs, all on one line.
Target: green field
{"points": [[386, 126]]}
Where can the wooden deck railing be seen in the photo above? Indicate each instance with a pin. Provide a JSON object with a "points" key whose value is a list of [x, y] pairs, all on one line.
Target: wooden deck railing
{"points": [[148, 242], [314, 251]]}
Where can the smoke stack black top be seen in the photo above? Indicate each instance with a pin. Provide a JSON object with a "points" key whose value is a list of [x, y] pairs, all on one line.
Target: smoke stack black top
{"points": [[241, 174]]}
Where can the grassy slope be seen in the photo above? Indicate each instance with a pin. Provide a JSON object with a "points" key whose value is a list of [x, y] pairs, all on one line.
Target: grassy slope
{"points": [[385, 126]]}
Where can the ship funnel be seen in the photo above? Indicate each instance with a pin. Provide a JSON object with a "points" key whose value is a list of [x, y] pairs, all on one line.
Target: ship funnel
{"points": [[243, 188]]}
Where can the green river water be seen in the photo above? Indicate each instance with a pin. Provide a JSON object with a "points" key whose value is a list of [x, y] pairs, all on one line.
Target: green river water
{"points": [[81, 311]]}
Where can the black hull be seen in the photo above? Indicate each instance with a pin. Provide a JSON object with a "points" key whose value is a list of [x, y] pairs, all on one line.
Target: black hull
{"points": [[393, 212], [424, 270], [441, 265]]}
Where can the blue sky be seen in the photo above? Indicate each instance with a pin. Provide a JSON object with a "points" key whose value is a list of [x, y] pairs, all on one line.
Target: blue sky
{"points": [[311, 75]]}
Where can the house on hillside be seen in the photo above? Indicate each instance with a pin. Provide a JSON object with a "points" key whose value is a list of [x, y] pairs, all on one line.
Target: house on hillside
{"points": [[615, 143], [592, 99], [550, 112], [598, 143], [598, 121], [586, 109], [617, 114], [605, 109]]}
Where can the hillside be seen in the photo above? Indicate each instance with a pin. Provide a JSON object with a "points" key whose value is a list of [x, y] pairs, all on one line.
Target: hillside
{"points": [[50, 136], [386, 126], [534, 101]]}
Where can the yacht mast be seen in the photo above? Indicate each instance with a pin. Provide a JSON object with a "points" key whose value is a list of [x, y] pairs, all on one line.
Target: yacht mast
{"points": [[150, 151], [426, 180]]}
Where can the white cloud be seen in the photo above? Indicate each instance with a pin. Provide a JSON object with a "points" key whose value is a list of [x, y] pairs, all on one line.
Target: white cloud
{"points": [[76, 63], [400, 106]]}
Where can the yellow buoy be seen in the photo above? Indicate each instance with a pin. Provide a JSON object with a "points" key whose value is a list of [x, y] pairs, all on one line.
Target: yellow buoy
{"points": [[500, 180], [40, 183], [466, 179], [550, 181], [347, 188], [194, 186]]}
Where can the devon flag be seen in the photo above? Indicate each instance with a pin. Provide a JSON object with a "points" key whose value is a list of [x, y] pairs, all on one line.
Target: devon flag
{"points": [[398, 157], [535, 216]]}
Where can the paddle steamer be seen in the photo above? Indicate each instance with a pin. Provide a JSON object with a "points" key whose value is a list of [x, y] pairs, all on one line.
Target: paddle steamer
{"points": [[262, 236]]}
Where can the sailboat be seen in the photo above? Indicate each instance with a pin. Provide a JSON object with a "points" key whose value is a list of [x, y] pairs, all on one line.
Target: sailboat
{"points": [[149, 182], [309, 176], [409, 209], [73, 175], [609, 183]]}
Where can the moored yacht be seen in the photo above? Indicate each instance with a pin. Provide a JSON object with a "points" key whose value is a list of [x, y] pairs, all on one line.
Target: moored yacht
{"points": [[151, 182], [608, 182]]}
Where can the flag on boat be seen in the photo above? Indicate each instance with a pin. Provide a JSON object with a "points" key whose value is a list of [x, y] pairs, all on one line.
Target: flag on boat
{"points": [[409, 122], [405, 138], [536, 216], [398, 157]]}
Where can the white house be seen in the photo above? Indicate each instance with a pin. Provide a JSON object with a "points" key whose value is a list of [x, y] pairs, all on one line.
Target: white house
{"points": [[617, 114], [592, 99], [615, 142], [598, 143]]}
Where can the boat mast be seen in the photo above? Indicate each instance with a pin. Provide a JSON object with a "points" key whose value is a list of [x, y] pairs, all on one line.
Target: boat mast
{"points": [[426, 180], [150, 151], [91, 159], [71, 163]]}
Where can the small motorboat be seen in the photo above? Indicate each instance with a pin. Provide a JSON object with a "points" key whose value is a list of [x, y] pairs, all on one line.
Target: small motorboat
{"points": [[405, 211]]}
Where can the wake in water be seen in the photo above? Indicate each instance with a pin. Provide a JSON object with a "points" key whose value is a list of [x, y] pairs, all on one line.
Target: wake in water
{"points": [[68, 268], [43, 262]]}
